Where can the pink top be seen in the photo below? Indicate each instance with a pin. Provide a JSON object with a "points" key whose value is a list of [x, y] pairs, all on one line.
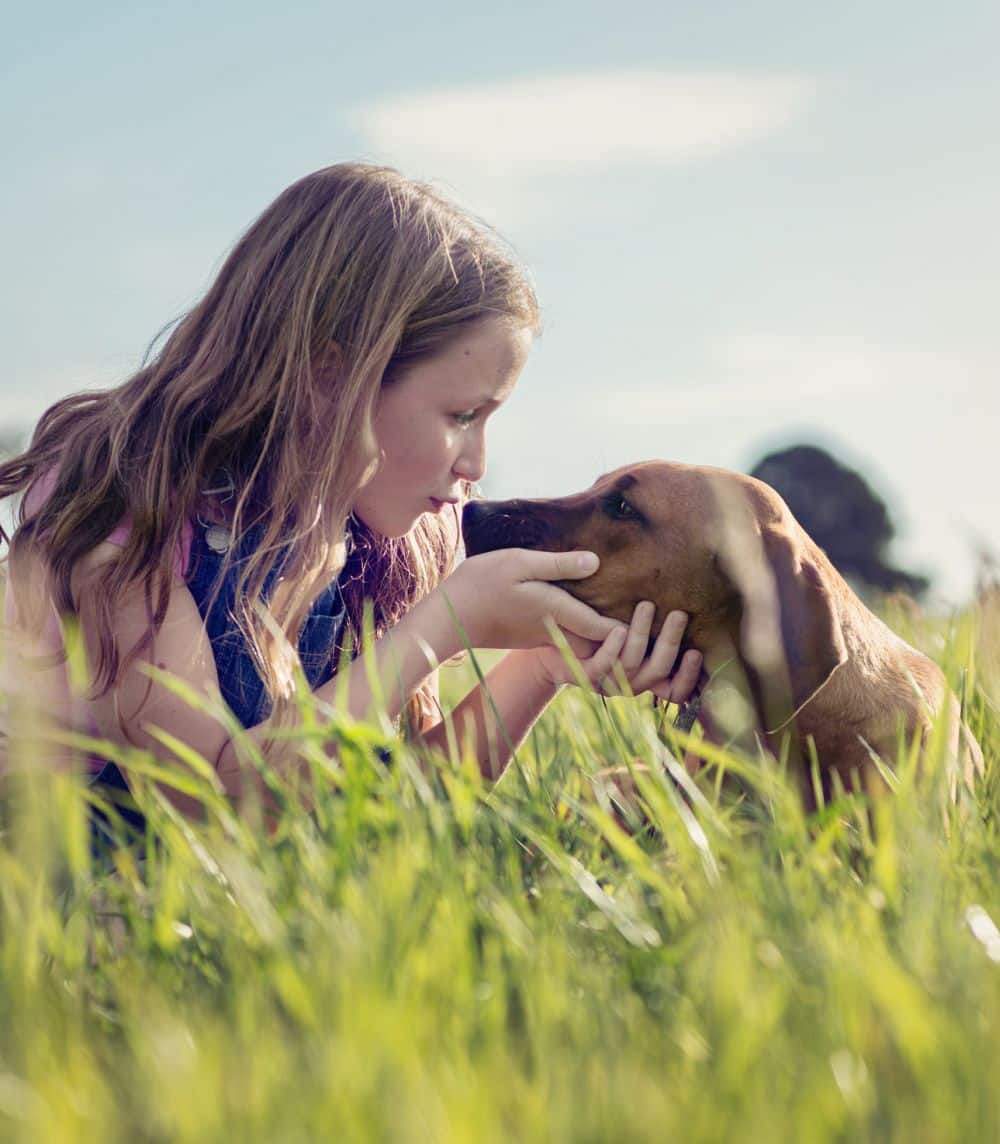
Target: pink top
{"points": [[51, 640]]}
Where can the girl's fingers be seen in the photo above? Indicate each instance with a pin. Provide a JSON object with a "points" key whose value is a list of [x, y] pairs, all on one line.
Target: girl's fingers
{"points": [[619, 658], [575, 616], [638, 637], [686, 679], [664, 654], [539, 565], [601, 664]]}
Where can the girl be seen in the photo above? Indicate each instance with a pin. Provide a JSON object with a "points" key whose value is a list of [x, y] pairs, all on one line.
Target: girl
{"points": [[302, 443]]}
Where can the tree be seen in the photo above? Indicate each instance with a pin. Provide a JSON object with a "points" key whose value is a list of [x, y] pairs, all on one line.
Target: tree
{"points": [[841, 512]]}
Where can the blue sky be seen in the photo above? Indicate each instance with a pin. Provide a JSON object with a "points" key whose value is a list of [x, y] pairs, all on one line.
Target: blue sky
{"points": [[749, 224]]}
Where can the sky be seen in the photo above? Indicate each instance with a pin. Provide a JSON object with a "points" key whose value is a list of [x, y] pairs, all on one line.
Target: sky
{"points": [[750, 225]]}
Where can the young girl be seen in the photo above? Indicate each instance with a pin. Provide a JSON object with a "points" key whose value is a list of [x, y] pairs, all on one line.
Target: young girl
{"points": [[302, 443]]}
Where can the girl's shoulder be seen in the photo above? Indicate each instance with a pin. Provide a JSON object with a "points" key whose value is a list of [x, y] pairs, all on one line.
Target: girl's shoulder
{"points": [[182, 551], [39, 493]]}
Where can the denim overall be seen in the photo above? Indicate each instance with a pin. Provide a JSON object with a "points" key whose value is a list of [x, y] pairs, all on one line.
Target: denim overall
{"points": [[241, 686]]}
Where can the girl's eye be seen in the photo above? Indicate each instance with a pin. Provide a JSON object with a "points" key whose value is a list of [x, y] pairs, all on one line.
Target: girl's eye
{"points": [[464, 419]]}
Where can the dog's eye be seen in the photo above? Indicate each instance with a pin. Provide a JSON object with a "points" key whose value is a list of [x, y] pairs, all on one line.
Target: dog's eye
{"points": [[619, 508]]}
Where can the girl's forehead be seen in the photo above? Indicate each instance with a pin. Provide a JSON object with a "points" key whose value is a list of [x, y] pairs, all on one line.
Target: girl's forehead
{"points": [[491, 345], [482, 365]]}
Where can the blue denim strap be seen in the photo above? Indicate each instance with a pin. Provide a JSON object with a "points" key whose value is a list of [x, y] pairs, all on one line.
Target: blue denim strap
{"points": [[240, 684]]}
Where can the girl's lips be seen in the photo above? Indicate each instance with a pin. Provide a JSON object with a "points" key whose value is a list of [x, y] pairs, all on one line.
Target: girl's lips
{"points": [[437, 505]]}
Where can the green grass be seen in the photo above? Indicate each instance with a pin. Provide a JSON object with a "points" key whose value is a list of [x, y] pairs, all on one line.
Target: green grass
{"points": [[425, 957]]}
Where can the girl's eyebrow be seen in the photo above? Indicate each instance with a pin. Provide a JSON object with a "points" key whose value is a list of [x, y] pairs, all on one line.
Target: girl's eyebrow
{"points": [[483, 402]]}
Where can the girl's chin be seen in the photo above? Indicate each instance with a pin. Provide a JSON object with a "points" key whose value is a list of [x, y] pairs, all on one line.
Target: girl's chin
{"points": [[390, 529]]}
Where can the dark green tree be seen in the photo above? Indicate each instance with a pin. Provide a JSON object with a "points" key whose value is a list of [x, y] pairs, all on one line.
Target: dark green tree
{"points": [[841, 512]]}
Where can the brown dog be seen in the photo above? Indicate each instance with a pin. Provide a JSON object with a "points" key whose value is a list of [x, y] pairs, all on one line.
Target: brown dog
{"points": [[791, 651]]}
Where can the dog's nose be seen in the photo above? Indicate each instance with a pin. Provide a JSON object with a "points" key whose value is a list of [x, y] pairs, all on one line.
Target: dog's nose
{"points": [[474, 512]]}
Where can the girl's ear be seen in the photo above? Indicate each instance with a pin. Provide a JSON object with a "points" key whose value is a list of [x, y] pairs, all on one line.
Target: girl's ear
{"points": [[327, 360]]}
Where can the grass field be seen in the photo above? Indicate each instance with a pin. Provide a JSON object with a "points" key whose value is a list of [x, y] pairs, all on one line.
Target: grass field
{"points": [[427, 958]]}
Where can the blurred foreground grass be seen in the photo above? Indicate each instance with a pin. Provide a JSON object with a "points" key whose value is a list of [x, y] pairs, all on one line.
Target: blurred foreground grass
{"points": [[428, 958]]}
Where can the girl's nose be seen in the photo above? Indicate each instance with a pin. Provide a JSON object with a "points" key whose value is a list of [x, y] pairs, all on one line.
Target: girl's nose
{"points": [[471, 462]]}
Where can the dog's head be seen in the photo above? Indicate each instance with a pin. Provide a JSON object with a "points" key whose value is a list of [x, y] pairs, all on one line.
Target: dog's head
{"points": [[718, 545]]}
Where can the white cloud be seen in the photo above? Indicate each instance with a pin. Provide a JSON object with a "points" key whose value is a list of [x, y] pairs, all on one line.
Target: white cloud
{"points": [[777, 368], [755, 370], [498, 147], [745, 371], [584, 122]]}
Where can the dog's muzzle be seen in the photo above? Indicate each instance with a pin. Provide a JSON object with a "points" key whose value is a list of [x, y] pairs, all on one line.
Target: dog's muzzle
{"points": [[489, 525]]}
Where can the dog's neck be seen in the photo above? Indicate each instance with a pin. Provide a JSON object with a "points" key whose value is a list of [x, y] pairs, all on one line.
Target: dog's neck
{"points": [[747, 706], [737, 701]]}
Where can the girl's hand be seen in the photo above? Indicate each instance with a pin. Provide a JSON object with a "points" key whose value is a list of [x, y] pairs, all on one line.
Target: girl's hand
{"points": [[621, 658], [504, 599]]}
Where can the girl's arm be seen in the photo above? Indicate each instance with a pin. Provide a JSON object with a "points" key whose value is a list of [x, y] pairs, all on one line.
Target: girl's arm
{"points": [[500, 599], [524, 683], [520, 691]]}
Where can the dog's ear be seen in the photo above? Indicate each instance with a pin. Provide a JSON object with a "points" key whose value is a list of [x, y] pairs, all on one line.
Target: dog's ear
{"points": [[811, 635], [789, 632]]}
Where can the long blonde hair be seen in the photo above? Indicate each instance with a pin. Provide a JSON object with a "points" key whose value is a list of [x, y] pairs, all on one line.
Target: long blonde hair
{"points": [[353, 274]]}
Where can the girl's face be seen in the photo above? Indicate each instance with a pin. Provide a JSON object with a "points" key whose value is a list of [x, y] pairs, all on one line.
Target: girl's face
{"points": [[430, 425]]}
